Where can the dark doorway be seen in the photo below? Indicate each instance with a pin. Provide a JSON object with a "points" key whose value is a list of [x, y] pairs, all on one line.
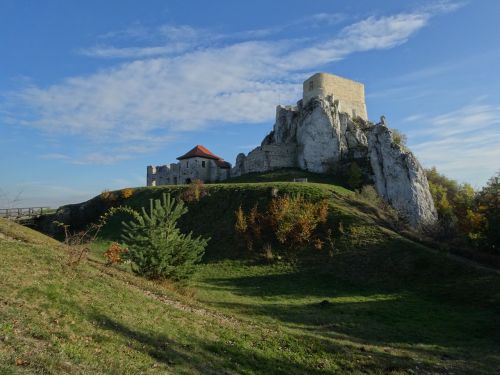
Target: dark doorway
{"points": [[188, 181]]}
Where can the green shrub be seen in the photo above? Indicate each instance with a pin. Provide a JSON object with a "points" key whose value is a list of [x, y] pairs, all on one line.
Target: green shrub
{"points": [[398, 137], [156, 247], [290, 222]]}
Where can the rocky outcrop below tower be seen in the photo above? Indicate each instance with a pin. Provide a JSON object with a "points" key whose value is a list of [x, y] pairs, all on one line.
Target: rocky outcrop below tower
{"points": [[319, 138]]}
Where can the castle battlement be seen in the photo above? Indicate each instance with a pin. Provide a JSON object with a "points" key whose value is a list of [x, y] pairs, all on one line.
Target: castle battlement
{"points": [[350, 94]]}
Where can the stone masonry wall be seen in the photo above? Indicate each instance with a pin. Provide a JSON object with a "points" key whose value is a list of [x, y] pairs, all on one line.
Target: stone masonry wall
{"points": [[350, 94], [266, 158], [196, 168]]}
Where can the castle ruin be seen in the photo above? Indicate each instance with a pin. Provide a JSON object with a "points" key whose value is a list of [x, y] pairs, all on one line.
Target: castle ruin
{"points": [[325, 132], [197, 164]]}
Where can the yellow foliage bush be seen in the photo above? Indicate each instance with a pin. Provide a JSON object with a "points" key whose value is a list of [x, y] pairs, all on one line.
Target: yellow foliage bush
{"points": [[195, 191], [290, 221], [108, 196], [113, 253], [126, 193]]}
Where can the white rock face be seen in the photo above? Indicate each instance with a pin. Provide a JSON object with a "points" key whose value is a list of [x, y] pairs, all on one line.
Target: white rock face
{"points": [[318, 138], [399, 178]]}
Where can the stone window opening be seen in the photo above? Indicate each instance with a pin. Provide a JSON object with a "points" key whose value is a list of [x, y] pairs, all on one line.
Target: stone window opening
{"points": [[311, 85], [187, 164], [203, 164]]}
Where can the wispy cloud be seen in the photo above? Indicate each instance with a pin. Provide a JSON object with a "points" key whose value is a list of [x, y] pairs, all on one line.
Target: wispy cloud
{"points": [[55, 156], [463, 143], [171, 39], [191, 84]]}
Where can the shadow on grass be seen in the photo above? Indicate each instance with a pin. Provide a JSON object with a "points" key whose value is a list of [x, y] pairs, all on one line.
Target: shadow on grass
{"points": [[225, 357], [402, 322], [382, 312], [206, 357]]}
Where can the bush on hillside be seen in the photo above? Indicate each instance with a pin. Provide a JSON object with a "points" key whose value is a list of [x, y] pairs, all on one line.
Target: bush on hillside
{"points": [[126, 193], [290, 222], [156, 247], [114, 254], [194, 192], [108, 197]]}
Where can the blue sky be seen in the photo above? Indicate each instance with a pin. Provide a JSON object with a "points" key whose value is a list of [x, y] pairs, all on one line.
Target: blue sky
{"points": [[93, 91]]}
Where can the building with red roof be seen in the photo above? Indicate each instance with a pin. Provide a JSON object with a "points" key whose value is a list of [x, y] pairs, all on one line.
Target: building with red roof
{"points": [[199, 163]]}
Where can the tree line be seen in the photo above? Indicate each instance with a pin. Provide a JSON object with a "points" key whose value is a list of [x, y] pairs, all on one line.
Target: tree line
{"points": [[466, 216]]}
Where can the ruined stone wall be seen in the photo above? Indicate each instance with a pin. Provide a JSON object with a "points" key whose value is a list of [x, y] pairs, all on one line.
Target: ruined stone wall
{"points": [[266, 158], [350, 94], [186, 170]]}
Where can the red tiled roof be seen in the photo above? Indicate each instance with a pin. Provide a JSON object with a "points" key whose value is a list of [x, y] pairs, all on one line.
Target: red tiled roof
{"points": [[199, 151], [223, 164]]}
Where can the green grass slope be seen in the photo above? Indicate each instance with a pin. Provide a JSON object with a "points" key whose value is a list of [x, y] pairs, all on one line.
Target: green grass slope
{"points": [[394, 308], [381, 304], [10, 230]]}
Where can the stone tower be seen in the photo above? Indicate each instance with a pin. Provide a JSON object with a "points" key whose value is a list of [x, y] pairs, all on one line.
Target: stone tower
{"points": [[350, 94]]}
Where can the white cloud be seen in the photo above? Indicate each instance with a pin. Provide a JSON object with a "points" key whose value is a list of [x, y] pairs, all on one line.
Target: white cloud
{"points": [[373, 33], [184, 90], [134, 52], [463, 144], [171, 39], [54, 156]]}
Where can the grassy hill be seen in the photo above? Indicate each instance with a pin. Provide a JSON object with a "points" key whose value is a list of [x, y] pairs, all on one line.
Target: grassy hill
{"points": [[381, 304], [214, 215]]}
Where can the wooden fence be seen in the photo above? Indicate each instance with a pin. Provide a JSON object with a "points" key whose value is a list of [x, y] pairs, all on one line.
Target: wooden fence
{"points": [[22, 213]]}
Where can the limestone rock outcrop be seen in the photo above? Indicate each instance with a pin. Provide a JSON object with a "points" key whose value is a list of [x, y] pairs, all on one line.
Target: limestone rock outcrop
{"points": [[318, 137]]}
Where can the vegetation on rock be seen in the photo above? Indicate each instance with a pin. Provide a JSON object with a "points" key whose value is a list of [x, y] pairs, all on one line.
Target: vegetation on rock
{"points": [[399, 137]]}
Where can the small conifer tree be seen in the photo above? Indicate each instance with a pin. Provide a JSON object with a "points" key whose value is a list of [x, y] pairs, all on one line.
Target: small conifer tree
{"points": [[156, 247]]}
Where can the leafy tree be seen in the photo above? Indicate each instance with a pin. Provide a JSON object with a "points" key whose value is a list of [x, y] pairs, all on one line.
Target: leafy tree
{"points": [[489, 207], [444, 192], [436, 178], [156, 247], [463, 208], [464, 213]]}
